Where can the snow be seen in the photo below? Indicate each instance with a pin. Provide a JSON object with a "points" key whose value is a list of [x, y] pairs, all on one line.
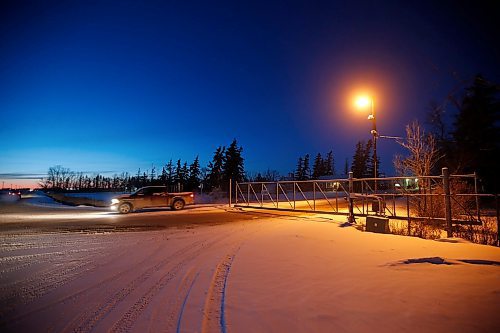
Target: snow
{"points": [[101, 196], [39, 198], [276, 273]]}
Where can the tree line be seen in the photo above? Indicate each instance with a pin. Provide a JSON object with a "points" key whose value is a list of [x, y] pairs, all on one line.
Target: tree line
{"points": [[227, 163], [321, 167]]}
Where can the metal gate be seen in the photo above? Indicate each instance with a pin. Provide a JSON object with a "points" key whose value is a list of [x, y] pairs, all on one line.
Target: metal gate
{"points": [[446, 199]]}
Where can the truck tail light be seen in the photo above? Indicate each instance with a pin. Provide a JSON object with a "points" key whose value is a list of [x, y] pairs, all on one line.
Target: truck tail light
{"points": [[192, 195]]}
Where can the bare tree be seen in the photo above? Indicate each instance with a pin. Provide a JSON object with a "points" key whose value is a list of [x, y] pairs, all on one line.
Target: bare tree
{"points": [[423, 154], [422, 149]]}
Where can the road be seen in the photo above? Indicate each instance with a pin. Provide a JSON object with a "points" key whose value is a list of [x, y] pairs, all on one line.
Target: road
{"points": [[23, 217], [87, 269]]}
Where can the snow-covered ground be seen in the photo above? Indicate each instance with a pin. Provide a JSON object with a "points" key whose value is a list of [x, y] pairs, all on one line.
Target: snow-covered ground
{"points": [[272, 274], [40, 199]]}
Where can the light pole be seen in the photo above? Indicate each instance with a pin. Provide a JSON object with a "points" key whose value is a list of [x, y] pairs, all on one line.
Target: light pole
{"points": [[363, 102]]}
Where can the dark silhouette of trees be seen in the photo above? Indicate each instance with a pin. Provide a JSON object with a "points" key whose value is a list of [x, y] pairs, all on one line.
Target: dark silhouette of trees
{"points": [[303, 170], [227, 164], [194, 175], [169, 168], [329, 165], [321, 167], [267, 176], [214, 176], [318, 167], [299, 171], [362, 162], [471, 141], [58, 177], [346, 167], [306, 167], [476, 133], [233, 167]]}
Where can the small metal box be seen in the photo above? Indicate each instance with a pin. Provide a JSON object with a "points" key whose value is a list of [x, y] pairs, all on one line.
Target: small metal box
{"points": [[377, 224]]}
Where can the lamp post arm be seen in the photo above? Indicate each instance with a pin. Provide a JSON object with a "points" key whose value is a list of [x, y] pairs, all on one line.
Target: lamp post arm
{"points": [[390, 137]]}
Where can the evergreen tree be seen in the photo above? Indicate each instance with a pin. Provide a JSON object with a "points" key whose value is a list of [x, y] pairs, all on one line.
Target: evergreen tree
{"points": [[329, 164], [170, 174], [318, 167], [259, 178], [299, 172], [369, 171], [233, 164], [476, 133], [179, 175], [214, 176], [306, 171], [163, 177], [185, 174], [153, 173], [194, 175], [359, 160]]}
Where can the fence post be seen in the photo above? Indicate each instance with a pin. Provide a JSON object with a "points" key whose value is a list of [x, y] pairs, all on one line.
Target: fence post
{"points": [[277, 194], [314, 196], [230, 191], [351, 218], [477, 198], [294, 184], [498, 220], [447, 199], [408, 213]]}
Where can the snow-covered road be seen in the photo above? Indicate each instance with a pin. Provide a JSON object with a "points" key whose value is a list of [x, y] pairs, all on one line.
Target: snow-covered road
{"points": [[279, 274], [150, 281]]}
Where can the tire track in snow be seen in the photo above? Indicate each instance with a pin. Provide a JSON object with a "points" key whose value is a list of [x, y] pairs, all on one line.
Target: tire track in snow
{"points": [[214, 319], [214, 316], [127, 321], [183, 306], [9, 262], [76, 295], [50, 258], [167, 313], [33, 287], [87, 321]]}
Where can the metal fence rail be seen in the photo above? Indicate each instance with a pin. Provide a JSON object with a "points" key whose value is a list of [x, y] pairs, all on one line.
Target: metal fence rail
{"points": [[448, 200]]}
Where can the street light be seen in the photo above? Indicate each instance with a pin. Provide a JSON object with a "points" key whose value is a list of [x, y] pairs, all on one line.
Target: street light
{"points": [[364, 102]]}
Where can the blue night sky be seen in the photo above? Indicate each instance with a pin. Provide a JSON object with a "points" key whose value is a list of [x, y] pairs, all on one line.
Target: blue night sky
{"points": [[113, 86]]}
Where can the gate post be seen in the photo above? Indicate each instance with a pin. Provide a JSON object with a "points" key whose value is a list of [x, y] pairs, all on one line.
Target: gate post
{"points": [[498, 219], [351, 218], [447, 199], [230, 191]]}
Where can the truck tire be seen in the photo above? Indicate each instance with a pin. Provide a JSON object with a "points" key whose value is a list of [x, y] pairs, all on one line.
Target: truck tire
{"points": [[178, 204], [124, 208]]}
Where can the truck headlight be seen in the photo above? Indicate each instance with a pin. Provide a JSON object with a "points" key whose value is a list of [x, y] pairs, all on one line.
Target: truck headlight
{"points": [[114, 201]]}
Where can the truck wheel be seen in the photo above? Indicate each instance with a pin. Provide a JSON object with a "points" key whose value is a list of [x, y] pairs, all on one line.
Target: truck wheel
{"points": [[124, 208], [178, 204]]}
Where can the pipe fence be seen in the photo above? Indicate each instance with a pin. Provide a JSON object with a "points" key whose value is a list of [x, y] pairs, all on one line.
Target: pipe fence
{"points": [[425, 204]]}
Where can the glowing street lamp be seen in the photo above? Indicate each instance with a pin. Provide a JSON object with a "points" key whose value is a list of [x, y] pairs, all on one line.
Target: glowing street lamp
{"points": [[364, 102]]}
